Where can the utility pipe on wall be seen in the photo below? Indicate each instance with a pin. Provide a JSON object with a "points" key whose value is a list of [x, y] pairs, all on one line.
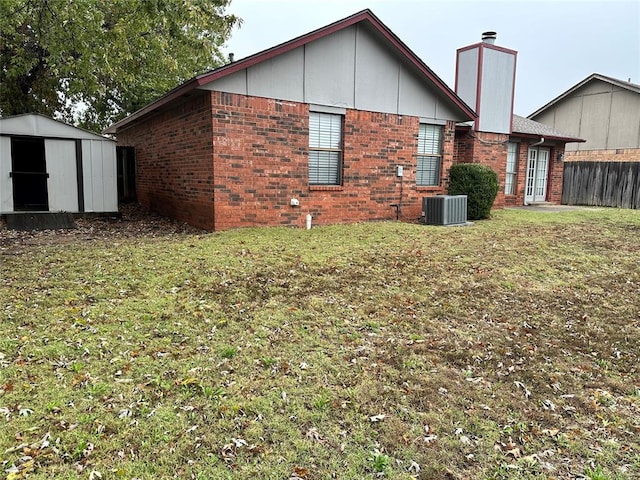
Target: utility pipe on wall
{"points": [[537, 143]]}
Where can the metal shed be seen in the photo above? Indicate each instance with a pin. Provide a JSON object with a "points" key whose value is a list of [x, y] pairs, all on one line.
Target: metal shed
{"points": [[49, 166]]}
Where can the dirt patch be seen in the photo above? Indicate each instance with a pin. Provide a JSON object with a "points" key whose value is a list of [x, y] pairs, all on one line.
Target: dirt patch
{"points": [[134, 221]]}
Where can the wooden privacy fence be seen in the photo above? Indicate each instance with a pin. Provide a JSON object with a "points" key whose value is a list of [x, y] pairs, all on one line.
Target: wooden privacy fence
{"points": [[603, 184]]}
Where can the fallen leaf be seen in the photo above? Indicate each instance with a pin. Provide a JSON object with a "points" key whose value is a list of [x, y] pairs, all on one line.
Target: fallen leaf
{"points": [[24, 412], [239, 442], [300, 471], [514, 452], [94, 474], [21, 471]]}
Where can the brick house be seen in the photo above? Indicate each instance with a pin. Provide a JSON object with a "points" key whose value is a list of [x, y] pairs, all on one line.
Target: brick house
{"points": [[345, 123], [605, 112]]}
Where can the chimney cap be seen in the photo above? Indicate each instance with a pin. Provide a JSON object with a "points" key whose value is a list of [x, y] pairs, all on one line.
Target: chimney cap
{"points": [[489, 37]]}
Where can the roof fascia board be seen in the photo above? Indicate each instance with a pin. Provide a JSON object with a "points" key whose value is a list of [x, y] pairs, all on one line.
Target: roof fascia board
{"points": [[547, 137]]}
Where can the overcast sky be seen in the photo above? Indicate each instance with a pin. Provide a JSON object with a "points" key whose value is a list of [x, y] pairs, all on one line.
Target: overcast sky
{"points": [[559, 43]]}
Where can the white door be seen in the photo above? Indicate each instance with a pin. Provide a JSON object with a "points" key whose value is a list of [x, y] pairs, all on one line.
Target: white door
{"points": [[537, 173], [63, 179]]}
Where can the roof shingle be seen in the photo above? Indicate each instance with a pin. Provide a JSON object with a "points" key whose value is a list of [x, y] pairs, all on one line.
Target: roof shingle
{"points": [[531, 127]]}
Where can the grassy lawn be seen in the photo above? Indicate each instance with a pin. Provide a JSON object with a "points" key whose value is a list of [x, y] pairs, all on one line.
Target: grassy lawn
{"points": [[509, 349]]}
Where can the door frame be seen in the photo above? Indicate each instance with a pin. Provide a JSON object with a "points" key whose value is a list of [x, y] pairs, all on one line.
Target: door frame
{"points": [[537, 175], [29, 176]]}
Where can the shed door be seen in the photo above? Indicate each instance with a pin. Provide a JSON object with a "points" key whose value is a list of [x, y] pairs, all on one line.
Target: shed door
{"points": [[537, 173], [63, 178], [29, 174]]}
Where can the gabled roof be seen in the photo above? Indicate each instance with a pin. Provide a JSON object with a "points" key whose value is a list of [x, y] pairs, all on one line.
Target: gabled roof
{"points": [[364, 16], [594, 76], [525, 127], [38, 125]]}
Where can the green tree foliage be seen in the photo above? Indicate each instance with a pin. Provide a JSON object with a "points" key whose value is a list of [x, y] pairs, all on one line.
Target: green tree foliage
{"points": [[110, 57], [479, 183]]}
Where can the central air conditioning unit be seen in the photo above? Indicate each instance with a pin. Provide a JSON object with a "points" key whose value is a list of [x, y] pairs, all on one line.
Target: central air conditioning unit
{"points": [[445, 210]]}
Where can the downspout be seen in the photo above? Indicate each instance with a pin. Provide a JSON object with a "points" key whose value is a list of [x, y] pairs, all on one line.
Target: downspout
{"points": [[537, 143]]}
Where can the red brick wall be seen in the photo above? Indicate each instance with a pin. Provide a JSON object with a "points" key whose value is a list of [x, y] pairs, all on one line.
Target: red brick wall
{"points": [[261, 163], [491, 149], [221, 161], [556, 173], [616, 155], [174, 159]]}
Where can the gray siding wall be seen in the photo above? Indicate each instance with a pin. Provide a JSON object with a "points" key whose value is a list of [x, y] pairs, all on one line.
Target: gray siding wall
{"points": [[606, 116], [349, 69]]}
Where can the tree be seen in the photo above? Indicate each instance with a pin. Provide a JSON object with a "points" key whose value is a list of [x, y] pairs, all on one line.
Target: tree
{"points": [[92, 62]]}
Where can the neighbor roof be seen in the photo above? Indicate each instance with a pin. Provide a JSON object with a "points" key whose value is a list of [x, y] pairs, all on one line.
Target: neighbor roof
{"points": [[525, 126], [363, 16], [594, 76]]}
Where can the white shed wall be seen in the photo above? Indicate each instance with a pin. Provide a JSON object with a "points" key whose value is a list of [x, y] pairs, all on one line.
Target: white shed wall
{"points": [[99, 176], [6, 186], [62, 184]]}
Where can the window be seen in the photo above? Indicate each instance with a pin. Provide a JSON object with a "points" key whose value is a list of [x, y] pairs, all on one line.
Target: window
{"points": [[325, 149], [512, 169], [429, 155]]}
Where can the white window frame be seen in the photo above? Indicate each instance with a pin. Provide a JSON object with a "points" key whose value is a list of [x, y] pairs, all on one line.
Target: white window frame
{"points": [[429, 158], [511, 175], [325, 149]]}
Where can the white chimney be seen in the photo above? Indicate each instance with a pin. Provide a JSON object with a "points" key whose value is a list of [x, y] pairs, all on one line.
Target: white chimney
{"points": [[485, 80]]}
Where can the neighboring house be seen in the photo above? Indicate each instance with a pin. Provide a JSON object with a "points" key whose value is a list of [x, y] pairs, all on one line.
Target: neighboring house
{"points": [[49, 166], [526, 155], [345, 123], [602, 110]]}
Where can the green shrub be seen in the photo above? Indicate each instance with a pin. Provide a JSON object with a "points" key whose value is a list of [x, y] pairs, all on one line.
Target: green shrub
{"points": [[479, 183]]}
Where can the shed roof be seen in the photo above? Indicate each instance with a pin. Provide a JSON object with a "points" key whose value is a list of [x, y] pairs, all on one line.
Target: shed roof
{"points": [[365, 16], [38, 125], [525, 126], [633, 87]]}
